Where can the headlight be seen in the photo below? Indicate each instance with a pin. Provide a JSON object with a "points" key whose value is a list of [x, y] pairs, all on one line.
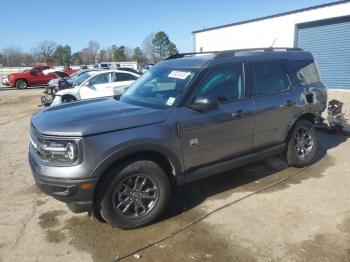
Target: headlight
{"points": [[59, 152]]}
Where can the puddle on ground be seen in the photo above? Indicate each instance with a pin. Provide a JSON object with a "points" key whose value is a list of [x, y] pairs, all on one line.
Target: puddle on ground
{"points": [[105, 243], [55, 236], [50, 219], [199, 243], [40, 202], [333, 247]]}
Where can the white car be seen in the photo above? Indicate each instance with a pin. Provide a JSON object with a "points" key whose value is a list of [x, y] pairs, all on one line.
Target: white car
{"points": [[93, 84], [5, 81]]}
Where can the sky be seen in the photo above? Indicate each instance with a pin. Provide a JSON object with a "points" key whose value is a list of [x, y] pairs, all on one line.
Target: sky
{"points": [[126, 22]]}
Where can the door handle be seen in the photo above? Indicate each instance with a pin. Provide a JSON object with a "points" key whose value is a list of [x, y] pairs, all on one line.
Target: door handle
{"points": [[289, 103], [238, 114]]}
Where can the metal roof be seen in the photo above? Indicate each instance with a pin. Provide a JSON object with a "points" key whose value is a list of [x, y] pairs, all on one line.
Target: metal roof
{"points": [[273, 16]]}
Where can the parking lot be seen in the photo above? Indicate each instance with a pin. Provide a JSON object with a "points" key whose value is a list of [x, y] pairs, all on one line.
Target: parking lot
{"points": [[272, 212]]}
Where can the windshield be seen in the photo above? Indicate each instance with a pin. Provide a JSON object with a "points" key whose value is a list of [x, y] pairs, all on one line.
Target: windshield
{"points": [[75, 74], [159, 87], [81, 78]]}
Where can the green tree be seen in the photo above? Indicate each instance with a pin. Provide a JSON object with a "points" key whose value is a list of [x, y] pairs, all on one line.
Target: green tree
{"points": [[62, 55], [76, 58], [119, 53], [172, 49], [162, 46], [138, 55]]}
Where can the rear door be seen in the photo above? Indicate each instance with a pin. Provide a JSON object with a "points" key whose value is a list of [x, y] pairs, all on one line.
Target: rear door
{"points": [[274, 102], [99, 85], [42, 78], [224, 132], [122, 81]]}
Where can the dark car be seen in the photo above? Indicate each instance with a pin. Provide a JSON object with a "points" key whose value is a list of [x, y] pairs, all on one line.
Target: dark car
{"points": [[189, 117]]}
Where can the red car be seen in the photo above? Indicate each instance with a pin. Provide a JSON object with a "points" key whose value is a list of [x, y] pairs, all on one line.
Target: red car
{"points": [[31, 77]]}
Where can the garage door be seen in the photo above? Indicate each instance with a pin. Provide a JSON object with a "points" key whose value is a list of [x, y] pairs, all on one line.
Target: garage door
{"points": [[329, 41]]}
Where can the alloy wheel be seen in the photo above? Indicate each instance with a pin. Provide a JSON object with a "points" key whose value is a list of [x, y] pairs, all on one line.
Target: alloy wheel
{"points": [[135, 196], [303, 142], [21, 84]]}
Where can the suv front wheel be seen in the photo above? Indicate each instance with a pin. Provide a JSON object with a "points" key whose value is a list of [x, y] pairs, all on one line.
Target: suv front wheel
{"points": [[21, 84], [134, 195], [302, 144]]}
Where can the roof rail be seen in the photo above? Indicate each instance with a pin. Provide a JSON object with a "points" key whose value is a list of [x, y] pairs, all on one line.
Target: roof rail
{"points": [[189, 54], [226, 53], [221, 54]]}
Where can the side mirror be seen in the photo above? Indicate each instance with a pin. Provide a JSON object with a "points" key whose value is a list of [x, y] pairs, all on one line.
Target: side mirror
{"points": [[33, 73], [203, 104]]}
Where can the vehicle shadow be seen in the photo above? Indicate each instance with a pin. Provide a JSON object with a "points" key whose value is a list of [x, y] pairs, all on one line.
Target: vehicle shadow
{"points": [[245, 179], [5, 88]]}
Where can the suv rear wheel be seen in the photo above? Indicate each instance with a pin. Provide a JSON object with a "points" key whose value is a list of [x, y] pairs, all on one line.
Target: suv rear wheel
{"points": [[302, 144], [135, 194]]}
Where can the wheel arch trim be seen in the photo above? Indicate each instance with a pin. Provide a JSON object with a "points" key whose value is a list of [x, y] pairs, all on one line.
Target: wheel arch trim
{"points": [[132, 150]]}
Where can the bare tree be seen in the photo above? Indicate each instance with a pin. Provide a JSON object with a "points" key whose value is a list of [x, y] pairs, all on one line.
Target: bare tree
{"points": [[129, 52], [14, 56], [109, 54], [92, 50], [43, 52], [86, 56], [148, 48]]}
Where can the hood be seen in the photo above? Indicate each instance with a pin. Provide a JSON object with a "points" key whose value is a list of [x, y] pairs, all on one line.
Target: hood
{"points": [[18, 74], [22, 72], [90, 117]]}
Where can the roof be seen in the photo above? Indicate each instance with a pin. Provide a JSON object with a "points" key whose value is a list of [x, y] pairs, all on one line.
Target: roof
{"points": [[208, 59], [273, 16]]}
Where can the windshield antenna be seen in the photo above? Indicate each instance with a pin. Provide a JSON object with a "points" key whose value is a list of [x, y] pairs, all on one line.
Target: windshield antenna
{"points": [[274, 41]]}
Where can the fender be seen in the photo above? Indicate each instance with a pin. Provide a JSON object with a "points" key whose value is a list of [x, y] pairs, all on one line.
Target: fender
{"points": [[305, 115], [70, 91], [127, 149]]}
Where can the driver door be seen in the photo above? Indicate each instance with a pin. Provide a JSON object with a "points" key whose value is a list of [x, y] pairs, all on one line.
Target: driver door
{"points": [[221, 133], [99, 85]]}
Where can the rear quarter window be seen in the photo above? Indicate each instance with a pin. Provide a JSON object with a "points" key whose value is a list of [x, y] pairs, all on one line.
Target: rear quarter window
{"points": [[270, 77], [305, 71]]}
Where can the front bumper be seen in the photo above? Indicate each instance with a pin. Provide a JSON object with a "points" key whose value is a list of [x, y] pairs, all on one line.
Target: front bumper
{"points": [[5, 81], [76, 193]]}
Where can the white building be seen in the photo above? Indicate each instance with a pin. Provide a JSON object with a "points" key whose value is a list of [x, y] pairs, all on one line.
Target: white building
{"points": [[323, 30]]}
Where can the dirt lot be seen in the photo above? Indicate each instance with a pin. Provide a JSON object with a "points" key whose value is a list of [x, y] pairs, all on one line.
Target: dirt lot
{"points": [[306, 217]]}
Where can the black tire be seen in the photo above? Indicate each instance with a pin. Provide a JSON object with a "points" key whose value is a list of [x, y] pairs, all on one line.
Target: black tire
{"points": [[122, 205], [301, 151], [68, 99], [21, 84]]}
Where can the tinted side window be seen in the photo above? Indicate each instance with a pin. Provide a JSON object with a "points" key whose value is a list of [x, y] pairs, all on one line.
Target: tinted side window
{"points": [[270, 77], [224, 84], [37, 69], [101, 79], [305, 71], [124, 77]]}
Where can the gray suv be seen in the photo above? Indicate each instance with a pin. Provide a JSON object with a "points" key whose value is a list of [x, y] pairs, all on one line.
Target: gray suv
{"points": [[190, 116]]}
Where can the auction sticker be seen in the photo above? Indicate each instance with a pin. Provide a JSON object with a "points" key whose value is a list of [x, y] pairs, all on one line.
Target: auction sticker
{"points": [[179, 74], [170, 101]]}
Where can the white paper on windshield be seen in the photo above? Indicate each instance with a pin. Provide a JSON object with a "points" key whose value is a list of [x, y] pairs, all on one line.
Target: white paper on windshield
{"points": [[179, 74], [170, 101]]}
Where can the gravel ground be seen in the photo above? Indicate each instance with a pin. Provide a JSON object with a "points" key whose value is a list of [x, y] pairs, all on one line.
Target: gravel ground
{"points": [[303, 218]]}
